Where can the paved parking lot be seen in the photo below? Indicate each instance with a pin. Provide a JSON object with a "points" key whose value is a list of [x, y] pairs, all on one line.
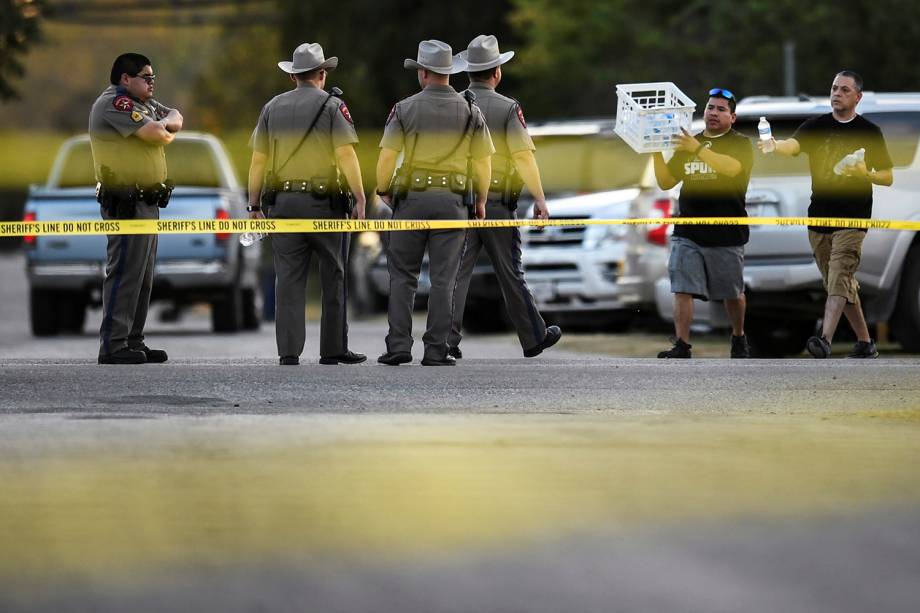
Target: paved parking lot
{"points": [[574, 482]]}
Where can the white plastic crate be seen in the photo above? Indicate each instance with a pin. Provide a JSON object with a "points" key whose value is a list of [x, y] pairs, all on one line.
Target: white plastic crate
{"points": [[649, 114]]}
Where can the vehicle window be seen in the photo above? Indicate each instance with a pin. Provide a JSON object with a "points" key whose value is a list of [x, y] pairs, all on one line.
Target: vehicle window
{"points": [[774, 165], [902, 133], [901, 130], [78, 167], [570, 163], [190, 163]]}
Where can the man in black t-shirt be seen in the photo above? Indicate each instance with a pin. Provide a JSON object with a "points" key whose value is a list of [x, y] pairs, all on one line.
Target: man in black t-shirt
{"points": [[840, 190], [707, 262]]}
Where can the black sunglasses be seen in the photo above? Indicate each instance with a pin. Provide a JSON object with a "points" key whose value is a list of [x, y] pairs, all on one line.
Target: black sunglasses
{"points": [[724, 93], [149, 78]]}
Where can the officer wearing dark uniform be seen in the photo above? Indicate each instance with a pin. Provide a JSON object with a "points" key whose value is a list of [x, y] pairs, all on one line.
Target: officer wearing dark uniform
{"points": [[513, 165], [445, 144], [128, 130], [303, 139]]}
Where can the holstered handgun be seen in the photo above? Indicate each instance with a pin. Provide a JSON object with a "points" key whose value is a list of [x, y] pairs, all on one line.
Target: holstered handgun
{"points": [[118, 202], [513, 186]]}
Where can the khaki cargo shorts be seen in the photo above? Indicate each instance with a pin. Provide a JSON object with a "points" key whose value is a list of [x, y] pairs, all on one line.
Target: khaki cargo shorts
{"points": [[837, 255]]}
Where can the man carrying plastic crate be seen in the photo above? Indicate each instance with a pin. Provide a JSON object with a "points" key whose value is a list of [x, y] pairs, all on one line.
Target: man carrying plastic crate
{"points": [[707, 261]]}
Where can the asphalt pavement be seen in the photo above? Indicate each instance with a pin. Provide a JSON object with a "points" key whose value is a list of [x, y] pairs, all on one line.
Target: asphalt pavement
{"points": [[220, 481]]}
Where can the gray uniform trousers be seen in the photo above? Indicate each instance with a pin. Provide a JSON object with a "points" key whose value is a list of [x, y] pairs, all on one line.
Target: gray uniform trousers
{"points": [[292, 253], [130, 261], [405, 250], [504, 248]]}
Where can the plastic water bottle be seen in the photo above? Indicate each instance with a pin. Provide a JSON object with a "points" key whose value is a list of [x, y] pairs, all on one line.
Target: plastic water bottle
{"points": [[766, 135], [851, 159], [250, 238]]}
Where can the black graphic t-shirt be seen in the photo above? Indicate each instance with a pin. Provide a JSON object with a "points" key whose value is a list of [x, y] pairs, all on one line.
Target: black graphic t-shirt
{"points": [[706, 193], [827, 141]]}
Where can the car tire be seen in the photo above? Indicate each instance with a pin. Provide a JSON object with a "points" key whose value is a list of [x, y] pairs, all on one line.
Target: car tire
{"points": [[486, 316], [776, 338], [43, 312], [905, 323], [71, 312], [227, 310], [250, 310]]}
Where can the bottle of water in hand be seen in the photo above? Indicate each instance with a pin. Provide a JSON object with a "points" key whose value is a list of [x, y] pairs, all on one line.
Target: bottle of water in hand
{"points": [[851, 159], [766, 135], [251, 238]]}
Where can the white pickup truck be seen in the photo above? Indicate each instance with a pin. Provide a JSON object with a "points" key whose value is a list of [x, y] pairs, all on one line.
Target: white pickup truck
{"points": [[578, 274], [65, 272]]}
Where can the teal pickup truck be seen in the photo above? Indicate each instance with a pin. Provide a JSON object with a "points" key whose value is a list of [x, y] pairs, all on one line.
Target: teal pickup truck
{"points": [[65, 272]]}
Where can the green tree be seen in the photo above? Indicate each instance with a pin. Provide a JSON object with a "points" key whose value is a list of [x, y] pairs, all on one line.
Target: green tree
{"points": [[372, 37], [574, 51], [20, 27]]}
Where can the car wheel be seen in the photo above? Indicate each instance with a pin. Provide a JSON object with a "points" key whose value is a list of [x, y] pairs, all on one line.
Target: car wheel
{"points": [[905, 324], [775, 338], [250, 310], [486, 316], [72, 312], [227, 310], [43, 312]]}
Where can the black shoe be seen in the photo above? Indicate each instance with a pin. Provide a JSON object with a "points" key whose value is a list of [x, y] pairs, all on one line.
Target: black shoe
{"points": [[740, 348], [819, 347], [553, 334], [679, 350], [863, 349], [289, 360], [123, 356], [445, 361], [395, 358], [349, 357], [154, 356], [454, 352]]}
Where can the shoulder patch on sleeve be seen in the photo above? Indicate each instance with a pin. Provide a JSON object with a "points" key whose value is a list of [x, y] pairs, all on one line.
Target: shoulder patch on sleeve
{"points": [[136, 117], [123, 103], [391, 115], [343, 108], [520, 114]]}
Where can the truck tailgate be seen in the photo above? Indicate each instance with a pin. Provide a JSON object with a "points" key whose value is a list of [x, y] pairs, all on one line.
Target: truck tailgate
{"points": [[80, 205]]}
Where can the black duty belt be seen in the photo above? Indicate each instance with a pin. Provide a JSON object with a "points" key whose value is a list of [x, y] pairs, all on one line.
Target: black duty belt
{"points": [[421, 179], [316, 186]]}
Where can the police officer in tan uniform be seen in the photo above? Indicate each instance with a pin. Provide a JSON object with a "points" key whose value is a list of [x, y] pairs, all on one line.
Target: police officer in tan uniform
{"points": [[303, 138], [128, 130], [513, 165], [441, 134]]}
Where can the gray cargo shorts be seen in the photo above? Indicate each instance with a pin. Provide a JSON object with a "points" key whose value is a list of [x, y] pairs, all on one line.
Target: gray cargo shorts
{"points": [[707, 273]]}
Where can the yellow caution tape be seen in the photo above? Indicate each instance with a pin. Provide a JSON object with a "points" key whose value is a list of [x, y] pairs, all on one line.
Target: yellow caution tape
{"points": [[215, 226]]}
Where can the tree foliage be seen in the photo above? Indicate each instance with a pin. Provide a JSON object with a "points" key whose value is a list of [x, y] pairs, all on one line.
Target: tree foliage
{"points": [[372, 37], [574, 51], [20, 27]]}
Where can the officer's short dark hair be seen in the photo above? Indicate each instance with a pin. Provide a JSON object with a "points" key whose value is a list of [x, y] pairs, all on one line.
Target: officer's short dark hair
{"points": [[310, 75], [482, 75], [128, 63], [857, 80]]}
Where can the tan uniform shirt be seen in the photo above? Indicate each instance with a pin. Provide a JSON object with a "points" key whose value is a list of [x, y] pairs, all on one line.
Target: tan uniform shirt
{"points": [[434, 121], [286, 118], [505, 119], [113, 122]]}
